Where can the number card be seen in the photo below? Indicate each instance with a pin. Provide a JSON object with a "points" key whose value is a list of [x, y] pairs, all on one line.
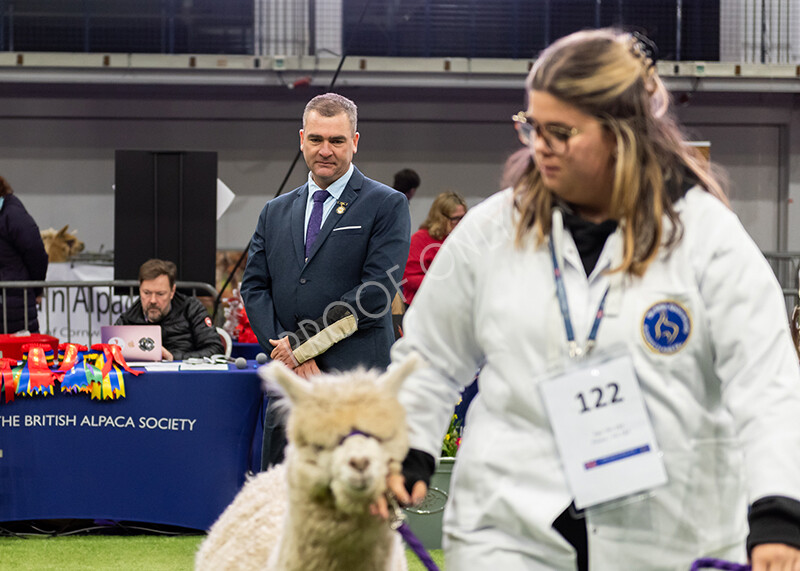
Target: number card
{"points": [[603, 432]]}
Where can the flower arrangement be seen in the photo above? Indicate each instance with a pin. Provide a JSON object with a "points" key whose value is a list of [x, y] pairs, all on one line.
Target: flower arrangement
{"points": [[237, 323], [452, 438]]}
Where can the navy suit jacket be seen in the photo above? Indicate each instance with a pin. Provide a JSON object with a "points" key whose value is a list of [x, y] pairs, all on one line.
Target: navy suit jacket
{"points": [[357, 261]]}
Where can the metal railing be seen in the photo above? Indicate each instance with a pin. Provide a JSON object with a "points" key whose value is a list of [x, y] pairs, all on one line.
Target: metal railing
{"points": [[131, 285], [786, 266]]}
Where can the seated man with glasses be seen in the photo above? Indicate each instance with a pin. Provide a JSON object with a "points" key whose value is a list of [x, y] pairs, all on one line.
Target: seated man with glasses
{"points": [[446, 212], [186, 328]]}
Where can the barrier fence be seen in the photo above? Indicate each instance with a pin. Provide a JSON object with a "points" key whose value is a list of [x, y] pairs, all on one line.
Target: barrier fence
{"points": [[786, 266], [101, 302]]}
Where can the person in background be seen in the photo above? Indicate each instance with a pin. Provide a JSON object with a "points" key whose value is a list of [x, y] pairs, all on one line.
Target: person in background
{"points": [[446, 212], [406, 181], [639, 392], [186, 328], [325, 260], [22, 258]]}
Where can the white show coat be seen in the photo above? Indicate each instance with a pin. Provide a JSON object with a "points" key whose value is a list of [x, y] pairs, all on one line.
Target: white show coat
{"points": [[724, 396]]}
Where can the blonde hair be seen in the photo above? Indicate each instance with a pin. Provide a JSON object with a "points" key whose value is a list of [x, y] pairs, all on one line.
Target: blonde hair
{"points": [[609, 75], [439, 214]]}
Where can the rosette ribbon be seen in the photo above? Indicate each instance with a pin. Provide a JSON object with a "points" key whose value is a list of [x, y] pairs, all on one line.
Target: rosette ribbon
{"points": [[69, 354], [106, 379], [34, 376], [113, 355], [72, 371], [8, 385], [102, 386], [49, 354]]}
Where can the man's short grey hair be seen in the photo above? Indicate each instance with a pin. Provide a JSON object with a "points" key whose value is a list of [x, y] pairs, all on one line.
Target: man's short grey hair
{"points": [[330, 105]]}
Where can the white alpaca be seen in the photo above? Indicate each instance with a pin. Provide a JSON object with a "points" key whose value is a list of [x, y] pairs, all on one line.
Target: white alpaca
{"points": [[346, 432]]}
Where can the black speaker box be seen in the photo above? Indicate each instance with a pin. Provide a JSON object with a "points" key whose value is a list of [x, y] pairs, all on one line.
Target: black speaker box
{"points": [[165, 206]]}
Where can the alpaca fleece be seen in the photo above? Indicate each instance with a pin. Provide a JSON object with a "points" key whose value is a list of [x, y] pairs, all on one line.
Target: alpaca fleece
{"points": [[346, 433]]}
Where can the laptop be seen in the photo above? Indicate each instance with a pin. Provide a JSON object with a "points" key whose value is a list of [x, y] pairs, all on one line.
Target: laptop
{"points": [[138, 342]]}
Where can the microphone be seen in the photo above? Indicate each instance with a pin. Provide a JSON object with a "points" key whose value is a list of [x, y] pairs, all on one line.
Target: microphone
{"points": [[240, 362], [261, 358]]}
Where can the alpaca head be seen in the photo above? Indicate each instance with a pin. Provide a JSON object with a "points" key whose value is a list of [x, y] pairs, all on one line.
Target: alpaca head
{"points": [[346, 431], [62, 245]]}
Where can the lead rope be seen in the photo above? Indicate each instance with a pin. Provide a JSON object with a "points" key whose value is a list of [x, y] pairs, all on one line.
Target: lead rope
{"points": [[713, 563], [397, 521]]}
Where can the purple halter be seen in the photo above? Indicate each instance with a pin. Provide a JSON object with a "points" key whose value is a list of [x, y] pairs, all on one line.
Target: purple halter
{"points": [[357, 432], [405, 532]]}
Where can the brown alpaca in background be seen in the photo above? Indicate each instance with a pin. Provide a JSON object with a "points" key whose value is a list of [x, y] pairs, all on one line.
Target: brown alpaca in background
{"points": [[62, 245]]}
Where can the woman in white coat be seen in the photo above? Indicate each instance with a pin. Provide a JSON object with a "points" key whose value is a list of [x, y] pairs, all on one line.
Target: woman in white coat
{"points": [[640, 396]]}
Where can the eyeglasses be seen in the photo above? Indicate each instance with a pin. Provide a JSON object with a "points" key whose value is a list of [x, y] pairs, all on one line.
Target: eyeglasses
{"points": [[556, 137], [455, 219]]}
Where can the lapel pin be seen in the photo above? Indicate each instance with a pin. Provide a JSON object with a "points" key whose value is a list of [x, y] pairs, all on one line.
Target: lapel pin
{"points": [[341, 207]]}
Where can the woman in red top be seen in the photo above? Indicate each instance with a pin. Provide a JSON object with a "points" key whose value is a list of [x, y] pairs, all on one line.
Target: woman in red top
{"points": [[446, 211]]}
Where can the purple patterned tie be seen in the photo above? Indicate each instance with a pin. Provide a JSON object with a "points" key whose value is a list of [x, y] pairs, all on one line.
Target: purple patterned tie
{"points": [[315, 221]]}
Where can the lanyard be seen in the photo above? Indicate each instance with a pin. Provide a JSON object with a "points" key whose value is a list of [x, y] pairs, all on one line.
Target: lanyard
{"points": [[575, 352]]}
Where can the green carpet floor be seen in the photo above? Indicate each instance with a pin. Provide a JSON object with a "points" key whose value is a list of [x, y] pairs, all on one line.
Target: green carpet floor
{"points": [[96, 553]]}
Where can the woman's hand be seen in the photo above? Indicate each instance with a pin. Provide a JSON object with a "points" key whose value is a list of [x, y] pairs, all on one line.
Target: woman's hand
{"points": [[396, 485], [775, 557]]}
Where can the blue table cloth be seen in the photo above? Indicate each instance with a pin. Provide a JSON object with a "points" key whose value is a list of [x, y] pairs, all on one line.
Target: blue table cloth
{"points": [[175, 451]]}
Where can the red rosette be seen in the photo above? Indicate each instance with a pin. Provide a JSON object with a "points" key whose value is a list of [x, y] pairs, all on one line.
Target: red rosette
{"points": [[69, 353], [36, 373], [8, 385], [113, 356]]}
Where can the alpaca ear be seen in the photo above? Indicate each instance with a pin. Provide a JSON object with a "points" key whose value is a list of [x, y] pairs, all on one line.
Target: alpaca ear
{"points": [[63, 231], [293, 385], [393, 378]]}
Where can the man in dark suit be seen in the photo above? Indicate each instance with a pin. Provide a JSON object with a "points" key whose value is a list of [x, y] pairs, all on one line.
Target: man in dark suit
{"points": [[326, 260]]}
